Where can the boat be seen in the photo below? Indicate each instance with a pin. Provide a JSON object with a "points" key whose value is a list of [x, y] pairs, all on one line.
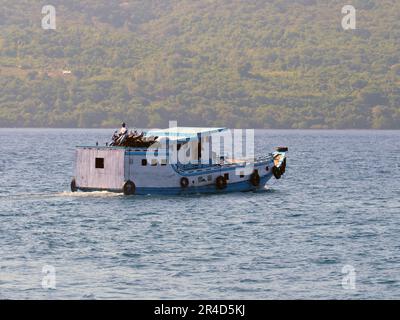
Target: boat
{"points": [[180, 160]]}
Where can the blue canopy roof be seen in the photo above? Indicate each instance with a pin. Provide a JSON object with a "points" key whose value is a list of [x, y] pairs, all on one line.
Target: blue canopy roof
{"points": [[183, 133]]}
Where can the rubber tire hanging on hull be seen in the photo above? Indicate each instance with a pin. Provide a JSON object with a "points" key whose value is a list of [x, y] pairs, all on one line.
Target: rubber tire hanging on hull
{"points": [[220, 183], [184, 182], [283, 167], [73, 186], [276, 172], [129, 188], [255, 179]]}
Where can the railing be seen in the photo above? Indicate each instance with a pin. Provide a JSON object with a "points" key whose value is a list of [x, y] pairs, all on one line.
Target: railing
{"points": [[265, 158], [223, 164], [192, 166]]}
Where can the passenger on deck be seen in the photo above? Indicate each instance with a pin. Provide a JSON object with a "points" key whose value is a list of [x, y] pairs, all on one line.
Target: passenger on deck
{"points": [[114, 138], [123, 131]]}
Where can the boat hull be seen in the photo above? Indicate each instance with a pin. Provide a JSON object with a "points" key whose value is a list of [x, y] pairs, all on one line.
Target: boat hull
{"points": [[128, 171], [242, 186]]}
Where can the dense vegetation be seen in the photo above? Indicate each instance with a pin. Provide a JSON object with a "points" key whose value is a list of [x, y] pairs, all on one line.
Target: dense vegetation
{"points": [[235, 63]]}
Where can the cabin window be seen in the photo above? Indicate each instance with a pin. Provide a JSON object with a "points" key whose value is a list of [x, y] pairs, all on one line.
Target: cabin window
{"points": [[144, 162], [209, 178], [226, 176], [241, 174], [99, 163], [163, 162], [154, 163]]}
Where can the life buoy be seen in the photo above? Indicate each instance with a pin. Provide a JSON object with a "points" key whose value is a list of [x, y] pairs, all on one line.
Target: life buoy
{"points": [[74, 188], [255, 179], [184, 182], [276, 172], [129, 188], [221, 183]]}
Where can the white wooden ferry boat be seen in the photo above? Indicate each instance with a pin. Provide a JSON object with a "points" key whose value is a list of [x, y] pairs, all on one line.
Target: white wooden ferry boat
{"points": [[151, 170]]}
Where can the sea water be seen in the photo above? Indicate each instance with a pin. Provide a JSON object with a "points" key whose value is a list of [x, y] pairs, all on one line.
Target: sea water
{"points": [[329, 229]]}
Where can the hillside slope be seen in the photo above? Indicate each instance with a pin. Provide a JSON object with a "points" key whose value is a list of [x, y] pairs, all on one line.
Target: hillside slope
{"points": [[234, 63]]}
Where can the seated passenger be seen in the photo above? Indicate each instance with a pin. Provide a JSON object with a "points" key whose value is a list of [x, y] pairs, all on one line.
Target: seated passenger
{"points": [[123, 131]]}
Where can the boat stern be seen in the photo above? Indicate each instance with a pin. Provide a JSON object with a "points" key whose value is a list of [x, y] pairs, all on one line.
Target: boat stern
{"points": [[99, 169]]}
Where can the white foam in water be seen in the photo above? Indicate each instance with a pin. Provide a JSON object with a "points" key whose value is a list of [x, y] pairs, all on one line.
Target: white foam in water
{"points": [[102, 194]]}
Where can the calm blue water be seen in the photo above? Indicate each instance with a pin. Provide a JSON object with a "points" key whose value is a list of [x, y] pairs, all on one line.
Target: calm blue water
{"points": [[339, 204]]}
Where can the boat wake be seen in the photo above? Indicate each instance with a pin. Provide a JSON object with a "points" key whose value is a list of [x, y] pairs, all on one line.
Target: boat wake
{"points": [[93, 194], [65, 194]]}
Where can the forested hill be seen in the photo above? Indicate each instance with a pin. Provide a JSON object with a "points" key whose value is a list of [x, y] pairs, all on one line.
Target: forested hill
{"points": [[233, 63]]}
